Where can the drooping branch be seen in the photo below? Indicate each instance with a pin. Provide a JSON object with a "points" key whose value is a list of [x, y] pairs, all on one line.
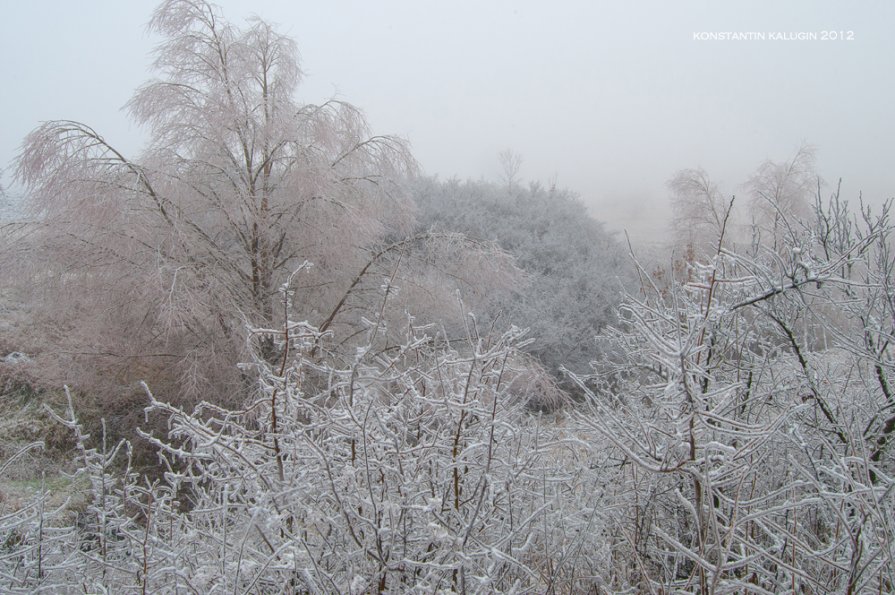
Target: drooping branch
{"points": [[46, 155], [428, 238]]}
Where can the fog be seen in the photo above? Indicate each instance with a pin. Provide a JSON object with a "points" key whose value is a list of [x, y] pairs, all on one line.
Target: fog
{"points": [[608, 99], [458, 382]]}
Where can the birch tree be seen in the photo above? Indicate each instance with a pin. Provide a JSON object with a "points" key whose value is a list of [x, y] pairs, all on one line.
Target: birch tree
{"points": [[143, 266]]}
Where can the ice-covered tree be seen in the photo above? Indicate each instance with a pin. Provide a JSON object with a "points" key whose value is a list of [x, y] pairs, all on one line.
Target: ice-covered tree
{"points": [[699, 211], [149, 267], [751, 404], [782, 194]]}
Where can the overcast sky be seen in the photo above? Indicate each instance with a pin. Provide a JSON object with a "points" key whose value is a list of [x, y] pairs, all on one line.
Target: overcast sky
{"points": [[607, 98]]}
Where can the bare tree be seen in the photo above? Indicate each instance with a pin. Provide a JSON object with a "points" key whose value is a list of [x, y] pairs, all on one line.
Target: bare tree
{"points": [[698, 210], [782, 195], [510, 164]]}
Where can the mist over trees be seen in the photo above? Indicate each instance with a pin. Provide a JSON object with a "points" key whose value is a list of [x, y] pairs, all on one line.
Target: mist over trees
{"points": [[777, 203], [295, 365]]}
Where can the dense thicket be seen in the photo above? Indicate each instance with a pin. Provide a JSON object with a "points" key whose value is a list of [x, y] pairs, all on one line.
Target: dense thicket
{"points": [[575, 270], [738, 440]]}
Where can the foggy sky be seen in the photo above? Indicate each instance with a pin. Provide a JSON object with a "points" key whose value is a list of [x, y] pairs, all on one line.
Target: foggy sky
{"points": [[606, 98]]}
